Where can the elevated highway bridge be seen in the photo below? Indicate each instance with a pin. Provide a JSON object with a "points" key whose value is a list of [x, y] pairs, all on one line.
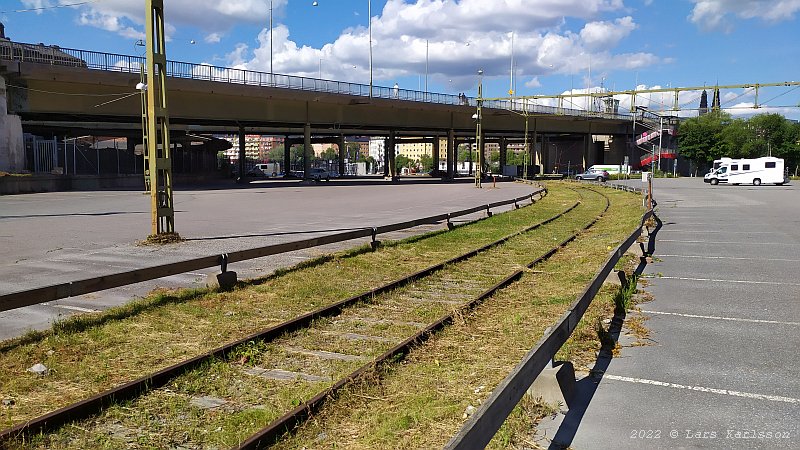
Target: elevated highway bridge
{"points": [[70, 92]]}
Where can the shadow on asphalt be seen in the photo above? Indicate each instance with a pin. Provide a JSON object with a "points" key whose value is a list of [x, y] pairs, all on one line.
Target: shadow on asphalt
{"points": [[281, 233], [586, 388]]}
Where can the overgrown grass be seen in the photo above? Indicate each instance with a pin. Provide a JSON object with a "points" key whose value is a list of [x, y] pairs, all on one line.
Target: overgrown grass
{"points": [[253, 402], [422, 401], [91, 353]]}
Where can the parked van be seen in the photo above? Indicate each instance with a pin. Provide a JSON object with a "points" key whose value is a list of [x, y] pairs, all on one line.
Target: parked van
{"points": [[748, 171], [264, 170], [611, 168]]}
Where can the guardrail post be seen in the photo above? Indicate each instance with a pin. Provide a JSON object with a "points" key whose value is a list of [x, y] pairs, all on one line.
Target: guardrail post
{"points": [[375, 242], [450, 225], [488, 211], [224, 280]]}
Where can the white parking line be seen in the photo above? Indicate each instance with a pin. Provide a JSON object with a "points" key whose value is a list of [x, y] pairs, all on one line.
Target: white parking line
{"points": [[772, 398], [729, 243], [714, 280], [732, 319], [719, 231], [74, 308], [735, 258]]}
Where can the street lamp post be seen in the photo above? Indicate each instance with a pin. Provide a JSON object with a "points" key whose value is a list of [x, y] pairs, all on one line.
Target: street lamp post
{"points": [[270, 42], [369, 19], [369, 28], [478, 132]]}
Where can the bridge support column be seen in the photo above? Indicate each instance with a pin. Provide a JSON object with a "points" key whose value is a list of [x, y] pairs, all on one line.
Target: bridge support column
{"points": [[12, 144], [386, 157], [451, 153], [287, 155], [470, 157], [534, 153], [503, 154], [435, 156], [308, 152], [242, 155], [390, 148], [342, 150], [587, 149]]}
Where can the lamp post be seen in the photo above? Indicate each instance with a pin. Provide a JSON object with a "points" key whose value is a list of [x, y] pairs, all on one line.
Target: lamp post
{"points": [[369, 28], [270, 41], [478, 133]]}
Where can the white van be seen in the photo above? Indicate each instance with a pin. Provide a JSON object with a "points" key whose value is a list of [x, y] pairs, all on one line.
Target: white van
{"points": [[748, 171], [611, 168]]}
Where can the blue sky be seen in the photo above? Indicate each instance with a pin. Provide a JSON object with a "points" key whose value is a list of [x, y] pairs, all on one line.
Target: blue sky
{"points": [[656, 43]]}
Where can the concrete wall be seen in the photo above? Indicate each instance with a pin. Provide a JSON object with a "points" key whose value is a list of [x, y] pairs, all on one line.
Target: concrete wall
{"points": [[28, 184], [12, 145]]}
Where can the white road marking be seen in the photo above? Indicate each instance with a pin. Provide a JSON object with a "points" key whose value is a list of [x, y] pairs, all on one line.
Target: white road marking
{"points": [[720, 231], [733, 319], [74, 308], [714, 280], [736, 258], [718, 242], [772, 398]]}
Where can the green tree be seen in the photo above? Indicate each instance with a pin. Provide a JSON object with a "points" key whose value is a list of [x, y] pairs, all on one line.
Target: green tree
{"points": [[427, 163], [330, 154], [700, 138], [401, 161]]}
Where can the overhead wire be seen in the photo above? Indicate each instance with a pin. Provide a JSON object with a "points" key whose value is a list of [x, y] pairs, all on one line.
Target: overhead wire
{"points": [[44, 8]]}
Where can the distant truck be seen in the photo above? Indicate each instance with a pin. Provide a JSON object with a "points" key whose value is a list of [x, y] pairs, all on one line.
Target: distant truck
{"points": [[748, 171]]}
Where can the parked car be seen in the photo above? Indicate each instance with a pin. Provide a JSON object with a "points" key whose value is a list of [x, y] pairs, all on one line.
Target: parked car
{"points": [[319, 174], [597, 175]]}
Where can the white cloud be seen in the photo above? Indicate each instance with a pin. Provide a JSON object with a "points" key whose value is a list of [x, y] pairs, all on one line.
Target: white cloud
{"points": [[598, 35], [462, 37], [533, 83], [714, 14], [213, 38], [212, 16]]}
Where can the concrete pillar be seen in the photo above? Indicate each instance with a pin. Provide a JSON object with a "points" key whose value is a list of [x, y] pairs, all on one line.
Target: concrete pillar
{"points": [[435, 156], [308, 152], [392, 154], [342, 149], [483, 159], [503, 154], [451, 153], [12, 142], [534, 156], [241, 155], [587, 149], [386, 157], [470, 158], [287, 155]]}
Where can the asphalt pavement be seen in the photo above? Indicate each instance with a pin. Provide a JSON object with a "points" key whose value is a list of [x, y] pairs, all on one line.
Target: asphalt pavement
{"points": [[720, 368], [57, 237]]}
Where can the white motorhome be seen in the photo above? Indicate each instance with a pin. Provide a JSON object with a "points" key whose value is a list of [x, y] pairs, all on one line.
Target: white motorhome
{"points": [[748, 171]]}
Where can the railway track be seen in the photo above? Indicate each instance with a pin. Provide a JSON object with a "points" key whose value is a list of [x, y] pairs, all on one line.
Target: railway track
{"points": [[281, 375]]}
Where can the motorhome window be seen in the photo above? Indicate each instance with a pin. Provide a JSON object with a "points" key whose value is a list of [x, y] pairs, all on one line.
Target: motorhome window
{"points": [[745, 166], [770, 165], [735, 167], [723, 169]]}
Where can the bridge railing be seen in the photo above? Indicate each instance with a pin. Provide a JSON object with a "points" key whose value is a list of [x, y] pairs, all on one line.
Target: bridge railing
{"points": [[43, 54]]}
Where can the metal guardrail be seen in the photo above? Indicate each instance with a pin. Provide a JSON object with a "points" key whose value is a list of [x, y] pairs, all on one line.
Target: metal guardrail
{"points": [[36, 296], [112, 62], [484, 423]]}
